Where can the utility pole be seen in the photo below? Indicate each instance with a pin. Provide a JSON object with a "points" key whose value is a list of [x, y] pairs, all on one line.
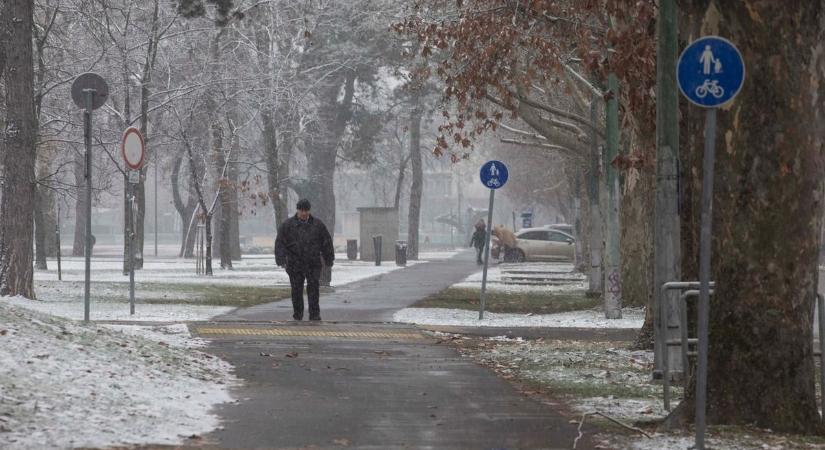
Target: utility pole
{"points": [[596, 277], [667, 251], [612, 257]]}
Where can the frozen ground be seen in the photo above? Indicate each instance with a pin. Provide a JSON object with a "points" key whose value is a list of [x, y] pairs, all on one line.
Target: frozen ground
{"points": [[529, 277], [631, 318], [67, 385], [255, 270], [164, 279]]}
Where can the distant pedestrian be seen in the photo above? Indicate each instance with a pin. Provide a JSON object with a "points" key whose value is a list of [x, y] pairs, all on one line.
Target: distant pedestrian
{"points": [[477, 241], [302, 242]]}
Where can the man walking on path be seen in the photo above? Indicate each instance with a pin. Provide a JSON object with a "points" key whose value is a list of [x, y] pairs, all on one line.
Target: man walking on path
{"points": [[301, 243]]}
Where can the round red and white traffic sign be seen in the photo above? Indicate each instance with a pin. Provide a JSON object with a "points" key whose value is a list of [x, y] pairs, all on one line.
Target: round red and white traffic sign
{"points": [[133, 149]]}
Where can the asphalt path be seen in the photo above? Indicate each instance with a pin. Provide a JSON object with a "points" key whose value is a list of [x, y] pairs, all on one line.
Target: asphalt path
{"points": [[356, 381]]}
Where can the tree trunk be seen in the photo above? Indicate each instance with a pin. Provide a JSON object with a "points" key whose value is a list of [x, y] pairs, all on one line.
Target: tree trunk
{"points": [[139, 189], [42, 230], [223, 241], [636, 242], [416, 190], [399, 185], [767, 216], [277, 166], [17, 204], [595, 277], [232, 203], [321, 162], [185, 210]]}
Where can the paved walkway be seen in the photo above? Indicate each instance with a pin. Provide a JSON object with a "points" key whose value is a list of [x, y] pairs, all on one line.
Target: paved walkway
{"points": [[356, 381], [374, 299]]}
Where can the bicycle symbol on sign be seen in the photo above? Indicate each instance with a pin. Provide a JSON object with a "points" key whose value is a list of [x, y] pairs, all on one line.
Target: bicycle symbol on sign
{"points": [[494, 182], [710, 87]]}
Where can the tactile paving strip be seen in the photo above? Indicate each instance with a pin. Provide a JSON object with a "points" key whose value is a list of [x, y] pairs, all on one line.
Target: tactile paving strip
{"points": [[301, 332]]}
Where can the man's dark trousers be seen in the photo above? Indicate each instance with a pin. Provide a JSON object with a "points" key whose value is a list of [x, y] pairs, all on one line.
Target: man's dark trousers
{"points": [[311, 275]]}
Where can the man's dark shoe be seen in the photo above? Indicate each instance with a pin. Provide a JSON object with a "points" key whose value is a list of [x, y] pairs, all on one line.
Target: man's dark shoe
{"points": [[298, 317], [315, 318]]}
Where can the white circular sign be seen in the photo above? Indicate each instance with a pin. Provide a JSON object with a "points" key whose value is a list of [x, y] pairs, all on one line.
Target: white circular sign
{"points": [[133, 149]]}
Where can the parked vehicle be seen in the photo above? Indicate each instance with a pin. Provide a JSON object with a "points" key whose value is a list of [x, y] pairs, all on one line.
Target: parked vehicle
{"points": [[565, 227], [542, 244]]}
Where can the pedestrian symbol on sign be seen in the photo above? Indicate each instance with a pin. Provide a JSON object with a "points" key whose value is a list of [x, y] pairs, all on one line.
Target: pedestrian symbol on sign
{"points": [[707, 60], [493, 174]]}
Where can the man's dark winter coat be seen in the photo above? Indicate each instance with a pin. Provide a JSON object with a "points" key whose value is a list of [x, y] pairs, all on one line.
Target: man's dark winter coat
{"points": [[301, 245]]}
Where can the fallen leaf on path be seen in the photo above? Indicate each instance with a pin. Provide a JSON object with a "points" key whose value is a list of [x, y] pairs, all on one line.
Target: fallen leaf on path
{"points": [[381, 353], [292, 355], [266, 354], [343, 442]]}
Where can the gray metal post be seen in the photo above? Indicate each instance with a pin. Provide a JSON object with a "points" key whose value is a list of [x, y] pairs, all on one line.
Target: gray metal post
{"points": [[156, 205], [612, 253], [666, 228], [486, 255], [821, 301], [87, 138], [704, 275], [131, 236], [57, 243]]}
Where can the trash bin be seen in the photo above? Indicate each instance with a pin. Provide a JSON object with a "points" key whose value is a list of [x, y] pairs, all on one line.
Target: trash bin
{"points": [[352, 249], [400, 253], [376, 243]]}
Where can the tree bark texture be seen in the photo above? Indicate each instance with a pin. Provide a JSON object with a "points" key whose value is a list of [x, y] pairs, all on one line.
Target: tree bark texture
{"points": [[233, 203], [767, 216], [321, 160], [17, 207], [185, 210], [416, 189], [277, 166]]}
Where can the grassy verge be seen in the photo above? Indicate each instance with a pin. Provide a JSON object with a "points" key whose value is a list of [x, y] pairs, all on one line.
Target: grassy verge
{"points": [[169, 293], [220, 295], [614, 379], [510, 302]]}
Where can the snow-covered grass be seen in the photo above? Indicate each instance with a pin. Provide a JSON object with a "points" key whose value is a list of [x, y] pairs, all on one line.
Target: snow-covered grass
{"points": [[631, 318], [529, 277], [67, 385], [169, 290], [252, 270]]}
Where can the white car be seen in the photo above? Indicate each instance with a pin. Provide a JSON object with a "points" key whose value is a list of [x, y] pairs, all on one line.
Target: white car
{"points": [[542, 244]]}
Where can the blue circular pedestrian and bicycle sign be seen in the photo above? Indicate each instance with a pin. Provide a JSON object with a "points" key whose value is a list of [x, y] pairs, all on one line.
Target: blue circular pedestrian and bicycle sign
{"points": [[710, 71], [494, 174]]}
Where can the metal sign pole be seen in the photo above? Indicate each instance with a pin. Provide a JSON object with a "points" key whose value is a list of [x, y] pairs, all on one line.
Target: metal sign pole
{"points": [[131, 256], [486, 255], [704, 275], [57, 244], [87, 136]]}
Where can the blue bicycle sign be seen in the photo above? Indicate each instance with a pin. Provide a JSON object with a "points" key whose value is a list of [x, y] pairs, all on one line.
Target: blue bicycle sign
{"points": [[494, 174], [710, 71]]}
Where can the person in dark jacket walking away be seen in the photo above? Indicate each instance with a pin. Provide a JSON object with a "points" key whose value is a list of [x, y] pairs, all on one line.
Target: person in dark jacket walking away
{"points": [[477, 240], [302, 242]]}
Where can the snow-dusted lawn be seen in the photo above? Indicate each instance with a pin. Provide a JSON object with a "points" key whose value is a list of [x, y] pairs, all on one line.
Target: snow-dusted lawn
{"points": [[66, 385], [172, 280], [631, 318], [562, 276], [252, 270]]}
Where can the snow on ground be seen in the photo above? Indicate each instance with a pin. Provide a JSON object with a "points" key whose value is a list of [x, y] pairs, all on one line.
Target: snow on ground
{"points": [[513, 278], [252, 270], [164, 279], [98, 310], [631, 318], [67, 385]]}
